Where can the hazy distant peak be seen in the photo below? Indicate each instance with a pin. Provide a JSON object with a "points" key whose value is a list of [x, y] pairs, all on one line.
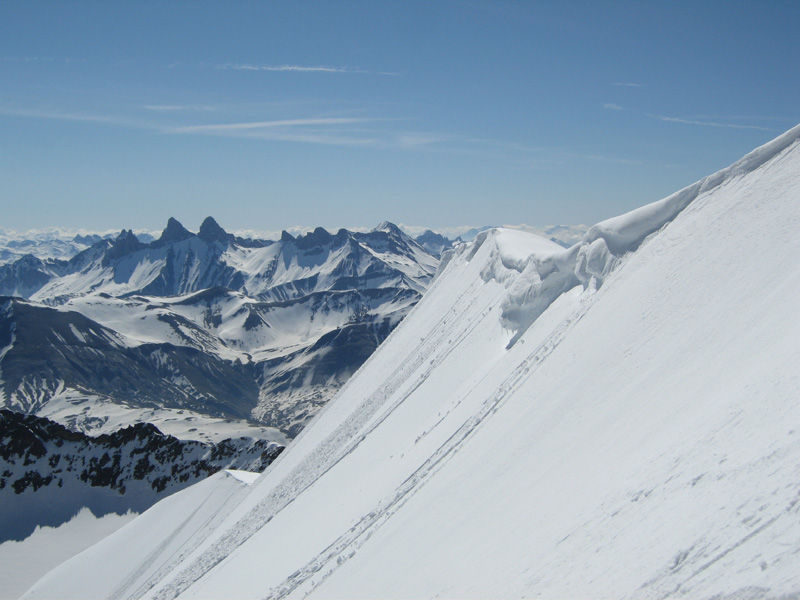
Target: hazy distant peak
{"points": [[125, 243], [388, 227], [317, 237], [210, 231], [174, 232]]}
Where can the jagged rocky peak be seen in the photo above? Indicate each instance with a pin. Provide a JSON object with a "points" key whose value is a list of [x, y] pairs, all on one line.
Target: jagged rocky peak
{"points": [[286, 236], [128, 469], [210, 231], [429, 234], [393, 233], [87, 240], [174, 232], [343, 236], [29, 260], [318, 237], [125, 243]]}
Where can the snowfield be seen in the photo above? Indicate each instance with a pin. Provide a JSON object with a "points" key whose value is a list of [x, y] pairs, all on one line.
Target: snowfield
{"points": [[26, 561], [615, 420]]}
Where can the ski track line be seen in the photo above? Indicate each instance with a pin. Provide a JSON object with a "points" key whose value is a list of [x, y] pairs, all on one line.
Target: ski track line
{"points": [[325, 456], [355, 537], [202, 533]]}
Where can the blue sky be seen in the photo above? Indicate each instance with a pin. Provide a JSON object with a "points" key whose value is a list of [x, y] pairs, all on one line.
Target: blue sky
{"points": [[269, 115]]}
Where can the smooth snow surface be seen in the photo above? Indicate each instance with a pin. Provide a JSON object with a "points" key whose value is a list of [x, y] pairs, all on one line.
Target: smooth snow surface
{"points": [[23, 563], [615, 420]]}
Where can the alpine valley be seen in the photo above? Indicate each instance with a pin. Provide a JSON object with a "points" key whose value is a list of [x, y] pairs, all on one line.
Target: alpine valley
{"points": [[201, 326], [185, 354]]}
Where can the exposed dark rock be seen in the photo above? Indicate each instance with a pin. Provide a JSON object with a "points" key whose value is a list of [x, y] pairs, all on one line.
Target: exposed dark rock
{"points": [[126, 243], [37, 454], [174, 232], [211, 232]]}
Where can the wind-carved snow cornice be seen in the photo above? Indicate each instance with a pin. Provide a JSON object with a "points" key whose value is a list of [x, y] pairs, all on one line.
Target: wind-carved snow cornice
{"points": [[535, 282]]}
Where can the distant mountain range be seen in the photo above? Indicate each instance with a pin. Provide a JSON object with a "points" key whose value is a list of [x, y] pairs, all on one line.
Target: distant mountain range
{"points": [[63, 244], [229, 344], [206, 323]]}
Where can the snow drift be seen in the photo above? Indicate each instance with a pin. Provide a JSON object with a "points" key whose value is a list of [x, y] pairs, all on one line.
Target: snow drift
{"points": [[618, 419]]}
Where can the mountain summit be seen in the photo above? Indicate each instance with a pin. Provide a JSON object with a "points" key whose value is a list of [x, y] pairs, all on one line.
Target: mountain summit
{"points": [[173, 232], [616, 419], [210, 231]]}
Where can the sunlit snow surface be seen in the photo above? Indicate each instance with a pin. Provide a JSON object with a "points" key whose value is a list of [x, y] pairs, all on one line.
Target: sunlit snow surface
{"points": [[616, 420], [96, 416], [26, 561]]}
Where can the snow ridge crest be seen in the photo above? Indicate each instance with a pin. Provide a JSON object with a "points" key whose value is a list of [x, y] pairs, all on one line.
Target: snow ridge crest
{"points": [[536, 272]]}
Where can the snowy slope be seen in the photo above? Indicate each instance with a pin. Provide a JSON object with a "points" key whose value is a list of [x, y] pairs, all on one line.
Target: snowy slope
{"points": [[196, 508], [618, 419], [27, 561]]}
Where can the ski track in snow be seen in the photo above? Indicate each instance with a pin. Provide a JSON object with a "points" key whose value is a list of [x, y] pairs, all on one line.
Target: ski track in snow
{"points": [[633, 233], [348, 436], [348, 543], [202, 531], [324, 457]]}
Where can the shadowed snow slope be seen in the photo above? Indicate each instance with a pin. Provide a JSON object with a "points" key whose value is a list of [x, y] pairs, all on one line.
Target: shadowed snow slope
{"points": [[618, 419]]}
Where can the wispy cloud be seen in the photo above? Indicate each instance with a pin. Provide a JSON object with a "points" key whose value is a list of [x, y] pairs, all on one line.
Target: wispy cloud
{"points": [[79, 117], [37, 59], [284, 68], [25, 59], [415, 139], [707, 123], [621, 84], [176, 107], [223, 128], [331, 131], [299, 69], [739, 118], [611, 159], [723, 121], [336, 131]]}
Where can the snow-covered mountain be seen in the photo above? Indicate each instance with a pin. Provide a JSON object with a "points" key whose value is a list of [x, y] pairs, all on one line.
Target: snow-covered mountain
{"points": [[48, 473], [181, 262], [209, 323], [43, 245], [617, 419], [434, 243], [563, 235]]}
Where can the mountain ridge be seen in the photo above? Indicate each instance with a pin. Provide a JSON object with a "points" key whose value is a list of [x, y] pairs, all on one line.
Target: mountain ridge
{"points": [[181, 322], [635, 440]]}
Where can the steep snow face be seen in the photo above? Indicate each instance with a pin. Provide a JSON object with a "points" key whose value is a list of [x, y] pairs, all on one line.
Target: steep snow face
{"points": [[618, 419], [196, 507]]}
